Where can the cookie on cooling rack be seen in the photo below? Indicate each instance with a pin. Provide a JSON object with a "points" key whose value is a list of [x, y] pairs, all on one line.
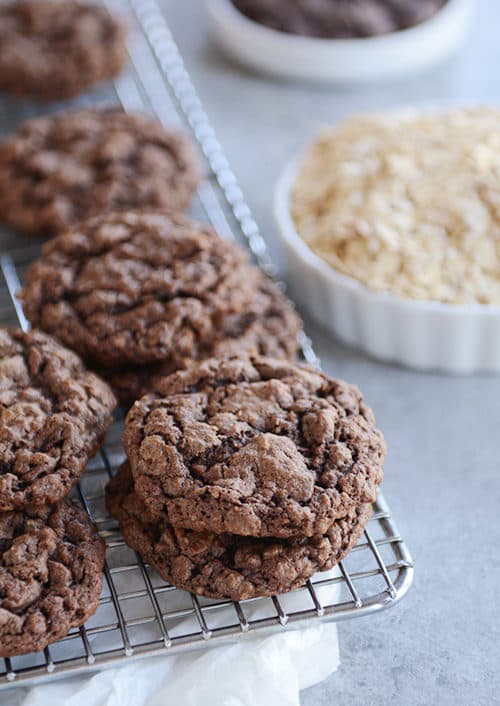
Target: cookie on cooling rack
{"points": [[270, 329], [254, 447], [51, 564], [59, 170], [55, 49], [226, 566], [54, 415], [142, 289]]}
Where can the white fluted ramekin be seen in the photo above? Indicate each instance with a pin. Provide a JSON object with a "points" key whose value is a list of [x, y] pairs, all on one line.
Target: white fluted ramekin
{"points": [[419, 334], [387, 56]]}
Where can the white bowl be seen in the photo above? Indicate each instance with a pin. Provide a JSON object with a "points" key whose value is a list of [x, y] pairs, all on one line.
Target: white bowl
{"points": [[419, 334], [340, 60]]}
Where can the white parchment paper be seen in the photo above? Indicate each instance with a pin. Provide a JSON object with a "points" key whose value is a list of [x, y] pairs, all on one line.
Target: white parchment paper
{"points": [[259, 671], [254, 672]]}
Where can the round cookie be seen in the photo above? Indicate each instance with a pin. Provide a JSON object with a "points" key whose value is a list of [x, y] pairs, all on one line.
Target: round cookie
{"points": [[149, 287], [227, 566], [55, 49], [51, 565], [254, 447], [57, 171], [53, 417]]}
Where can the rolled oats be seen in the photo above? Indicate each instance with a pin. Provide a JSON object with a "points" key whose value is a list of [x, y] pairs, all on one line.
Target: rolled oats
{"points": [[407, 203]]}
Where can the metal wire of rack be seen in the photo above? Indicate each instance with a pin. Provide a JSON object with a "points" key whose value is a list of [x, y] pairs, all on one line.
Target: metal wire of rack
{"points": [[139, 614]]}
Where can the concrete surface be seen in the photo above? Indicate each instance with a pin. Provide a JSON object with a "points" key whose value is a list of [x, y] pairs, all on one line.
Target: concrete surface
{"points": [[441, 644]]}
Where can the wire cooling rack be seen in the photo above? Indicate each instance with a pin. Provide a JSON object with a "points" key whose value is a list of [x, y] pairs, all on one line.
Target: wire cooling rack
{"points": [[139, 614]]}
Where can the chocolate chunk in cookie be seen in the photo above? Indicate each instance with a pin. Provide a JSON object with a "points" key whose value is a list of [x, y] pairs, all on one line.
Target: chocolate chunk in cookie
{"points": [[153, 287], [254, 447], [56, 49], [227, 566], [59, 170], [53, 417], [51, 564]]}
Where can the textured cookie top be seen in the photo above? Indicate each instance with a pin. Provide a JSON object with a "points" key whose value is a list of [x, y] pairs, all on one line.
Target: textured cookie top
{"points": [[57, 48], [53, 415], [143, 287], [59, 170], [268, 327], [254, 447], [51, 566], [227, 566]]}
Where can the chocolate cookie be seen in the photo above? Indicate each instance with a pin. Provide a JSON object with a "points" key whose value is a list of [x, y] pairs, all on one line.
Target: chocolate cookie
{"points": [[152, 287], [51, 565], [53, 416], [59, 170], [273, 333], [57, 48], [254, 447], [227, 566], [338, 19]]}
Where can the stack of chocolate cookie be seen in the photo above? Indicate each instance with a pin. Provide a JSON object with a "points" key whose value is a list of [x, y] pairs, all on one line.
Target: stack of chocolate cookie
{"points": [[246, 476], [246, 472], [54, 415]]}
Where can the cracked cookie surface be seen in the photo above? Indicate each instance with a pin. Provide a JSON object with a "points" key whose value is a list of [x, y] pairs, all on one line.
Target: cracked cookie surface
{"points": [[255, 447], [51, 564], [57, 48], [226, 566], [56, 171], [54, 414], [154, 287], [271, 330]]}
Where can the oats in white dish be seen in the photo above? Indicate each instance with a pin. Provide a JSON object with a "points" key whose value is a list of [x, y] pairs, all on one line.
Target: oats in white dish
{"points": [[407, 203]]}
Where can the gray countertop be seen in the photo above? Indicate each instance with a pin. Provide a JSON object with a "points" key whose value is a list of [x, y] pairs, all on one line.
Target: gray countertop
{"points": [[441, 644]]}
